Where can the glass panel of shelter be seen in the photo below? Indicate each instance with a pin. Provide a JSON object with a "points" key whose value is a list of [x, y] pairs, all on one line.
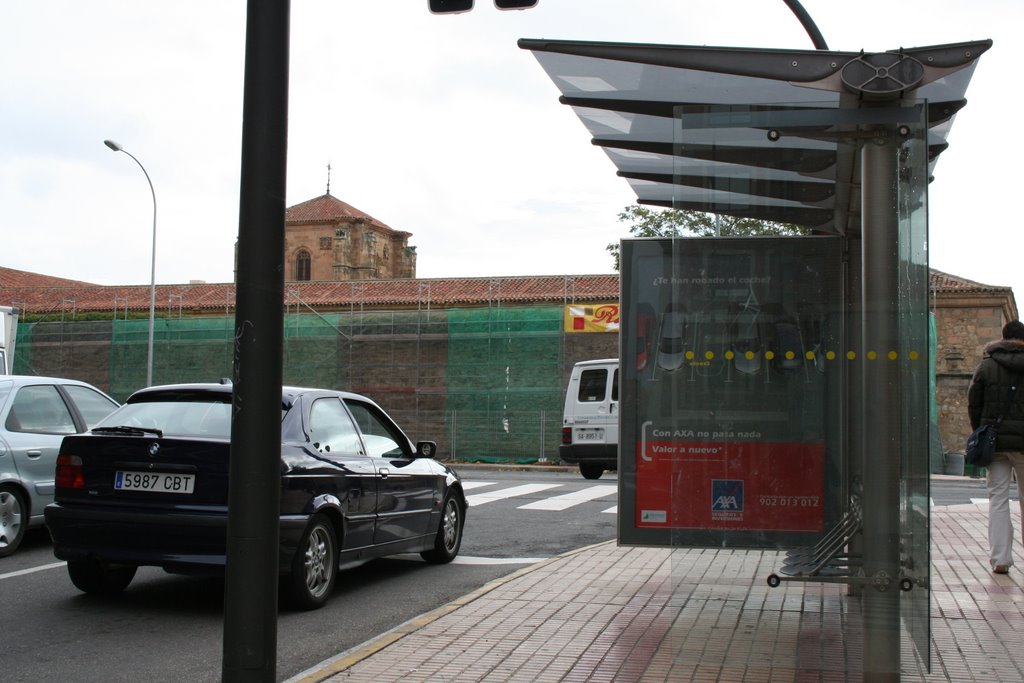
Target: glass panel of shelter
{"points": [[750, 428]]}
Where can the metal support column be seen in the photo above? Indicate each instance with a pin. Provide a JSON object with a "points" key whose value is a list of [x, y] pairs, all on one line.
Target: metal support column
{"points": [[880, 407], [251, 575], [853, 399]]}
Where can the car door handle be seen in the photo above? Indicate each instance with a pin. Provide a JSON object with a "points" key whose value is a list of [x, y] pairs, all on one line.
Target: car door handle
{"points": [[33, 453], [384, 473]]}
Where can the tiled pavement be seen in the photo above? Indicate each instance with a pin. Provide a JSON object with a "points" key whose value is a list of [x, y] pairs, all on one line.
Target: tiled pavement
{"points": [[606, 613]]}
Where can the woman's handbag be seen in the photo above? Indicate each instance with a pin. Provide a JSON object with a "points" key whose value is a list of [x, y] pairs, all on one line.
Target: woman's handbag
{"points": [[981, 444]]}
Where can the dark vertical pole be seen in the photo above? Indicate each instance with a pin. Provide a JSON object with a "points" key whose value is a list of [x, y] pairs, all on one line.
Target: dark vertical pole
{"points": [[852, 379], [250, 584], [808, 24], [881, 407]]}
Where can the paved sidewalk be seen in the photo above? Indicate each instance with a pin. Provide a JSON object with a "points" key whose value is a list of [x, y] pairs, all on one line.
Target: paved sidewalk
{"points": [[606, 613]]}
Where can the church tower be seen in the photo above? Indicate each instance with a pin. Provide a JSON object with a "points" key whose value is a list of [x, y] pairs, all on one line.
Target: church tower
{"points": [[329, 240]]}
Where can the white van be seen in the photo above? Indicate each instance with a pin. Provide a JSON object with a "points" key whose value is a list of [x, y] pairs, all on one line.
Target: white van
{"points": [[590, 421]]}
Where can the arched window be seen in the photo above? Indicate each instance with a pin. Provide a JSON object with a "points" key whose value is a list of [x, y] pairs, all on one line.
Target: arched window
{"points": [[302, 265]]}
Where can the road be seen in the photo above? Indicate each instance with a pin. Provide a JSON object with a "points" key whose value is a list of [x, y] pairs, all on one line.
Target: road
{"points": [[168, 628], [960, 491]]}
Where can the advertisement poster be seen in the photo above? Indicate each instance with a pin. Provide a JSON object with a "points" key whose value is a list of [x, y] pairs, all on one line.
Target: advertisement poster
{"points": [[592, 318], [730, 367], [755, 486]]}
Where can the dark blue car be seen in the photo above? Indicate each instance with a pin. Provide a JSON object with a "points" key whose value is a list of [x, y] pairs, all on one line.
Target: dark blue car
{"points": [[148, 486]]}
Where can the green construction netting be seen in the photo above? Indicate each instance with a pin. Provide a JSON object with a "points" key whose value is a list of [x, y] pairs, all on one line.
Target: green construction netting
{"points": [[504, 398], [485, 384]]}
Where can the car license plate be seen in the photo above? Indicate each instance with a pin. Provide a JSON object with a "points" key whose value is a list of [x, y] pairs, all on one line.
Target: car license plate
{"points": [[160, 482], [590, 435]]}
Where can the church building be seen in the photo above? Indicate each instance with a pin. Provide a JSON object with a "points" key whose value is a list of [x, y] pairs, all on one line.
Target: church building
{"points": [[327, 240]]}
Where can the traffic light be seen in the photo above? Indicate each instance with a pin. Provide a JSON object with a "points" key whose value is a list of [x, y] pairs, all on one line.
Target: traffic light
{"points": [[450, 6], [455, 6]]}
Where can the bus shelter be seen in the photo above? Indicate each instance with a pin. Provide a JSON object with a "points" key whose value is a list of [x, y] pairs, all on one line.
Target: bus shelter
{"points": [[774, 391]]}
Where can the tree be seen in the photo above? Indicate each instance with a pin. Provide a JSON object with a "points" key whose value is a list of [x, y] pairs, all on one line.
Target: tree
{"points": [[645, 222]]}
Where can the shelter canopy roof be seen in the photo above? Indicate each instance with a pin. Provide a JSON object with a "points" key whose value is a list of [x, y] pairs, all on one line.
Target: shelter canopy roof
{"points": [[767, 134]]}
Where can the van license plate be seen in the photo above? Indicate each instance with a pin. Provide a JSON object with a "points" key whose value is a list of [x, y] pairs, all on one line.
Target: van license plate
{"points": [[161, 482], [590, 435]]}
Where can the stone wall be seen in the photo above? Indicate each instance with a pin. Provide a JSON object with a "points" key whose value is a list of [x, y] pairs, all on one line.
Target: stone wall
{"points": [[964, 325]]}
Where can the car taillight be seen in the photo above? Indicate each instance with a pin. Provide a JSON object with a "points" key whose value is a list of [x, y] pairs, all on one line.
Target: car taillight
{"points": [[566, 435], [69, 472]]}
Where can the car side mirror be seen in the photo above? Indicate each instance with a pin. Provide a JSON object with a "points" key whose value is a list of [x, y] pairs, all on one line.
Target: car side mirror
{"points": [[426, 449]]}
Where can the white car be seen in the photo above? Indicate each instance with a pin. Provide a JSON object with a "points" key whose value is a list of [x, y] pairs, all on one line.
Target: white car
{"points": [[36, 413]]}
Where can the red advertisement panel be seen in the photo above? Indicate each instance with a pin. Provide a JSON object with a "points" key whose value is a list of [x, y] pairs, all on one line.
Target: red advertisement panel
{"points": [[730, 485]]}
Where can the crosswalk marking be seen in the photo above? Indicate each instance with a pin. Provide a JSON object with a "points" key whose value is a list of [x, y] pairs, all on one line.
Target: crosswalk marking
{"points": [[500, 494], [567, 500], [564, 501], [468, 485]]}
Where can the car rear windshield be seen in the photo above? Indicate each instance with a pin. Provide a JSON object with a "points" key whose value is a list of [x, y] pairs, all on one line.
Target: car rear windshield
{"points": [[203, 419]]}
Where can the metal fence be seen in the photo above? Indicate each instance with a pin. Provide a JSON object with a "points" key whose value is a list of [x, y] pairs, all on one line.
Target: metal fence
{"points": [[486, 384], [487, 436]]}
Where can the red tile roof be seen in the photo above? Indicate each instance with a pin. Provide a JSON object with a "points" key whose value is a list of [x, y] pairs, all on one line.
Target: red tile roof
{"points": [[944, 282], [407, 294], [328, 209], [36, 293], [20, 278]]}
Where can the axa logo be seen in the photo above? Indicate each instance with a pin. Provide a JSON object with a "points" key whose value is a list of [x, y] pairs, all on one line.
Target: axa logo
{"points": [[725, 503], [727, 495]]}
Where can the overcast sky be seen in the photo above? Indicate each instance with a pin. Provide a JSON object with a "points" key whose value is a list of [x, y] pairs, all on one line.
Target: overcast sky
{"points": [[437, 125]]}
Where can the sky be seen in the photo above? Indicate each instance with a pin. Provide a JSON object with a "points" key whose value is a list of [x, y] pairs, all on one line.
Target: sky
{"points": [[435, 125]]}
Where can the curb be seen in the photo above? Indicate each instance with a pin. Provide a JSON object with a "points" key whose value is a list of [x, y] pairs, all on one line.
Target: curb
{"points": [[353, 656]]}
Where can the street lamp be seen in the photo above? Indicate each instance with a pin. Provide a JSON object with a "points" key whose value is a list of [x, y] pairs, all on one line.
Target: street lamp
{"points": [[152, 266]]}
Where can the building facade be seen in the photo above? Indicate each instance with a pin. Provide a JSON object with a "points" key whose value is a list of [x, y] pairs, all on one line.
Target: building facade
{"points": [[968, 315], [327, 240]]}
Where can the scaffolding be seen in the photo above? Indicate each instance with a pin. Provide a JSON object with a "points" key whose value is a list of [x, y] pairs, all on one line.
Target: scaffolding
{"points": [[486, 383]]}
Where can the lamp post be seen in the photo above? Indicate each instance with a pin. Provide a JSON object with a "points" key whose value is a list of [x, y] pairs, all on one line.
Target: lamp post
{"points": [[152, 266]]}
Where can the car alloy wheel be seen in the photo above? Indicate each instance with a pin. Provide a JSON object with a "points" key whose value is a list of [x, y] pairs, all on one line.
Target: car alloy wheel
{"points": [[451, 526], [12, 520], [315, 566], [449, 533], [319, 565]]}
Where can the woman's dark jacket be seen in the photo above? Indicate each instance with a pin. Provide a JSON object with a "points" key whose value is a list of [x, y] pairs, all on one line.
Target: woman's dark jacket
{"points": [[990, 387]]}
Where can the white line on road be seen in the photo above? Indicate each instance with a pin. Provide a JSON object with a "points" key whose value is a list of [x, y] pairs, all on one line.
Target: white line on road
{"points": [[467, 485], [524, 490], [32, 570], [614, 509], [567, 500]]}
